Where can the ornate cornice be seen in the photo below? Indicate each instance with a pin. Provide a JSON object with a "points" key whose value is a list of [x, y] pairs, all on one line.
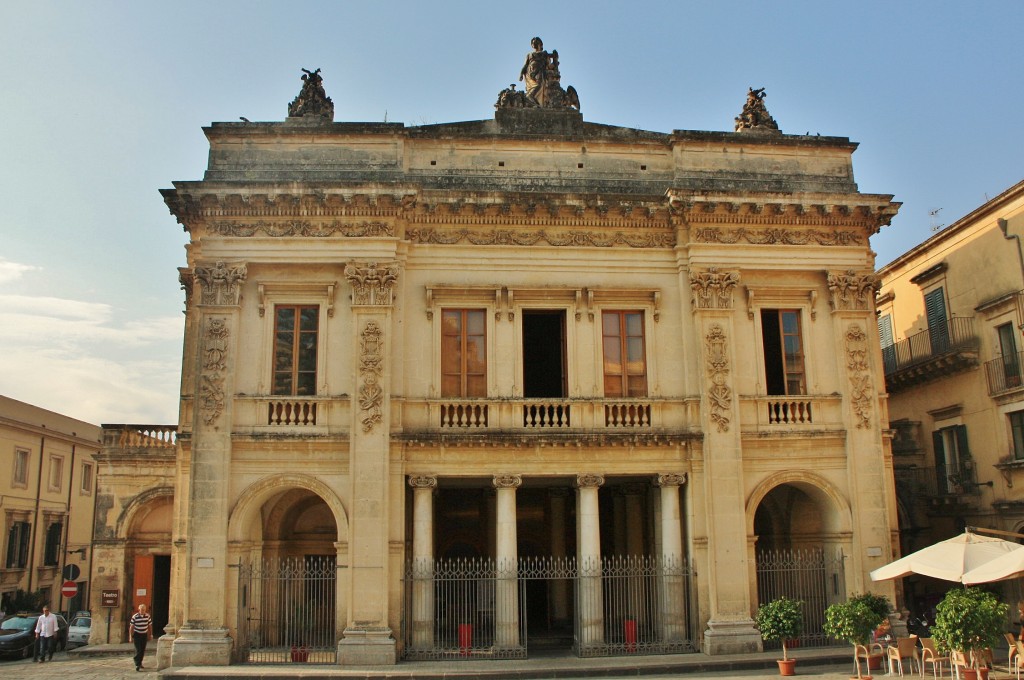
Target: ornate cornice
{"points": [[713, 289], [372, 285], [507, 481], [220, 284], [304, 228], [851, 291], [780, 236], [371, 368], [860, 374], [719, 393], [594, 239], [868, 211], [589, 481]]}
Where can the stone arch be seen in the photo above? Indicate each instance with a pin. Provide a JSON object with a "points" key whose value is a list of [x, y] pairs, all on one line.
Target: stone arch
{"points": [[816, 487], [131, 512], [245, 513]]}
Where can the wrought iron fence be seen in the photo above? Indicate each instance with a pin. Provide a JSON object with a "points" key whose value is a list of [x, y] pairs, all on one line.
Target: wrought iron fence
{"points": [[474, 608], [286, 611], [811, 575]]}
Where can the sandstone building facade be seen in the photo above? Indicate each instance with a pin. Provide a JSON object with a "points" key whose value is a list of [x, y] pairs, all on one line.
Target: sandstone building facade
{"points": [[477, 385], [48, 475], [950, 317]]}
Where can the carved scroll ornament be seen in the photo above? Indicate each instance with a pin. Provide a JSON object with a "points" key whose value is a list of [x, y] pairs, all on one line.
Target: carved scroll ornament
{"points": [[860, 374], [713, 289], [589, 481], [371, 284], [507, 481], [371, 368], [423, 481], [211, 378], [851, 291], [719, 394], [220, 284]]}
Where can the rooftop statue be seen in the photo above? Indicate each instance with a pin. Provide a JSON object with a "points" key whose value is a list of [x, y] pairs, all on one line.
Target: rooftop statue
{"points": [[542, 82], [755, 116], [312, 99]]}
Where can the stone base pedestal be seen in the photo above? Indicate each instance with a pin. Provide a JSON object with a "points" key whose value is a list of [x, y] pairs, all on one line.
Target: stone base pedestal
{"points": [[367, 647], [195, 647], [731, 637], [163, 649]]}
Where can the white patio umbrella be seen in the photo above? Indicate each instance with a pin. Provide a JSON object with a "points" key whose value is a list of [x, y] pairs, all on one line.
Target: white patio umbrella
{"points": [[951, 559], [1007, 566]]}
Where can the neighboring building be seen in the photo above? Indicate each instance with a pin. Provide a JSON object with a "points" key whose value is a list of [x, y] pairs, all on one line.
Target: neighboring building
{"points": [[950, 317], [47, 493], [456, 390]]}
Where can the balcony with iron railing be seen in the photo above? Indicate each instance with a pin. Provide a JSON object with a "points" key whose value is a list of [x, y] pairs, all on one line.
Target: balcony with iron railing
{"points": [[931, 353], [1005, 374], [940, 488]]}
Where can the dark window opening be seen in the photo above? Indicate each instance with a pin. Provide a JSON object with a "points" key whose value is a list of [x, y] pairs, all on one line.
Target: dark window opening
{"points": [[544, 354], [51, 553], [783, 351], [295, 343], [18, 545]]}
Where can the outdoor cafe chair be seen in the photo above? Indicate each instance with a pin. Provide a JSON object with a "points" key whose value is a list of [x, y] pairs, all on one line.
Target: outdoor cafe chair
{"points": [[930, 655], [866, 653], [905, 648], [1011, 654]]}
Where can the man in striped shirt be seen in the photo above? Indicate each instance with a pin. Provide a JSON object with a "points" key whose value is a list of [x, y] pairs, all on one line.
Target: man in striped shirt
{"points": [[140, 625]]}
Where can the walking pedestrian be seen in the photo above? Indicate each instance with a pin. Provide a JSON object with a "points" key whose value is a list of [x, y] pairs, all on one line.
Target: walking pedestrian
{"points": [[46, 635], [140, 625]]}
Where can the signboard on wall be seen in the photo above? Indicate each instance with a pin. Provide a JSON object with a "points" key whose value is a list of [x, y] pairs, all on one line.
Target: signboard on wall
{"points": [[110, 598]]}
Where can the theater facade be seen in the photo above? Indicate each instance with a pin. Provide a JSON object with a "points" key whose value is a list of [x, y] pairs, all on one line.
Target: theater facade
{"points": [[473, 389]]}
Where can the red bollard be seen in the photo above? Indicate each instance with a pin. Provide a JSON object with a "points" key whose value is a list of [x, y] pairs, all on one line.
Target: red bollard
{"points": [[465, 638], [630, 629]]}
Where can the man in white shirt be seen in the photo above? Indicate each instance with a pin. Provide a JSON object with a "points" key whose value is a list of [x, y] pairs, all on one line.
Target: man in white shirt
{"points": [[46, 635]]}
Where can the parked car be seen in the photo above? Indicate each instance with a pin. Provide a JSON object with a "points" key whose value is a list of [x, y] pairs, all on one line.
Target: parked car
{"points": [[78, 633], [18, 634]]}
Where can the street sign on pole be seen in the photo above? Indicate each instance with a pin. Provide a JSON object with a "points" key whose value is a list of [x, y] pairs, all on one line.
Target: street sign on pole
{"points": [[69, 589], [72, 572], [110, 598]]}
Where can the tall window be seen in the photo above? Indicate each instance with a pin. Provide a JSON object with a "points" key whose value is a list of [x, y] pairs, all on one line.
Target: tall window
{"points": [[1017, 432], [20, 476], [56, 472], [88, 470], [18, 537], [51, 552], [886, 339], [295, 342], [1008, 350], [463, 353], [783, 351], [625, 364], [951, 457], [938, 324]]}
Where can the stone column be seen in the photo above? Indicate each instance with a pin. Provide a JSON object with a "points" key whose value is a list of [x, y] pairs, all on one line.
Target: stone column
{"points": [[558, 595], [588, 546], [730, 628], [368, 639], [202, 639], [673, 622], [423, 560], [506, 597]]}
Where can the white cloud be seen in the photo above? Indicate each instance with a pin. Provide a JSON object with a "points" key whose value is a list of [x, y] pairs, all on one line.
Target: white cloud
{"points": [[12, 271]]}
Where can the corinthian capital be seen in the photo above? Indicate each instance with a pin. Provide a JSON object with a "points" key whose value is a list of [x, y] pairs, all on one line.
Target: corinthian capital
{"points": [[372, 284], [220, 284], [850, 290], [713, 289], [671, 479]]}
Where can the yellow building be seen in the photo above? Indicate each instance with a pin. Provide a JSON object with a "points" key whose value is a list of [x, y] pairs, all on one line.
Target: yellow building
{"points": [[950, 317], [47, 493], [470, 389]]}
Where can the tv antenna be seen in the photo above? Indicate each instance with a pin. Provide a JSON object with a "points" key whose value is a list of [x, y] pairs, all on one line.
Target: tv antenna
{"points": [[934, 215]]}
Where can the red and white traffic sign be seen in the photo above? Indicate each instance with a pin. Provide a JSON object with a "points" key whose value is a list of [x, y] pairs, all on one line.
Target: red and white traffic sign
{"points": [[69, 589]]}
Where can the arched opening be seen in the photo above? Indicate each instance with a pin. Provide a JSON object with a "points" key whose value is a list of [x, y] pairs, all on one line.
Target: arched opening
{"points": [[147, 529]]}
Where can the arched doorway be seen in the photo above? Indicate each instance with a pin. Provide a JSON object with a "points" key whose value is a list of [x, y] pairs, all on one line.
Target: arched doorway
{"points": [[288, 604], [147, 531], [798, 551]]}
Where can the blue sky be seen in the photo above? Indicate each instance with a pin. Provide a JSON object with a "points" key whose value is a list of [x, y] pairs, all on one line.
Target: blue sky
{"points": [[102, 104]]}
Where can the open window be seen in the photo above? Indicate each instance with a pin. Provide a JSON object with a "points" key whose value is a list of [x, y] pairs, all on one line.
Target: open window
{"points": [[544, 374], [782, 342]]}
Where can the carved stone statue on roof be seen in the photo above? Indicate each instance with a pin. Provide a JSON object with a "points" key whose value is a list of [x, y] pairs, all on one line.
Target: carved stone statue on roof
{"points": [[754, 115], [312, 99], [542, 82]]}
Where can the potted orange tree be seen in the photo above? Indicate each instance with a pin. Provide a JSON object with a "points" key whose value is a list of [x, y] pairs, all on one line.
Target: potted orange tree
{"points": [[968, 620], [854, 621], [781, 619]]}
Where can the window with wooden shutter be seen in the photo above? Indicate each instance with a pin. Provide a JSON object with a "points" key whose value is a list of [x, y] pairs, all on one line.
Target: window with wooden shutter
{"points": [[938, 325], [463, 353], [625, 362]]}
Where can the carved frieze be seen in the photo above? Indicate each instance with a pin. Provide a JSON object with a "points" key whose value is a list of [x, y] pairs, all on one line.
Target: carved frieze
{"points": [[507, 481], [851, 291], [371, 368], [719, 394], [220, 284], [211, 377], [372, 285], [713, 289], [671, 479], [542, 237], [423, 481], [860, 374], [278, 229], [589, 481], [779, 236]]}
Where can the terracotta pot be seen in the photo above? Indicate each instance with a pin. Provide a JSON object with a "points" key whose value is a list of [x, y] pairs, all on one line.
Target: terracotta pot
{"points": [[874, 661], [787, 666], [969, 673], [983, 673]]}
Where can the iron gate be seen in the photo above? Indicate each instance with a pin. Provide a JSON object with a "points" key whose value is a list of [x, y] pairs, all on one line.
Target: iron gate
{"points": [[813, 576], [473, 608], [286, 610]]}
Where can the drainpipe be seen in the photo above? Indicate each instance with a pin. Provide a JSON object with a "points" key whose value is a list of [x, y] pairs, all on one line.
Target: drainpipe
{"points": [[1003, 227], [63, 558], [35, 521]]}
